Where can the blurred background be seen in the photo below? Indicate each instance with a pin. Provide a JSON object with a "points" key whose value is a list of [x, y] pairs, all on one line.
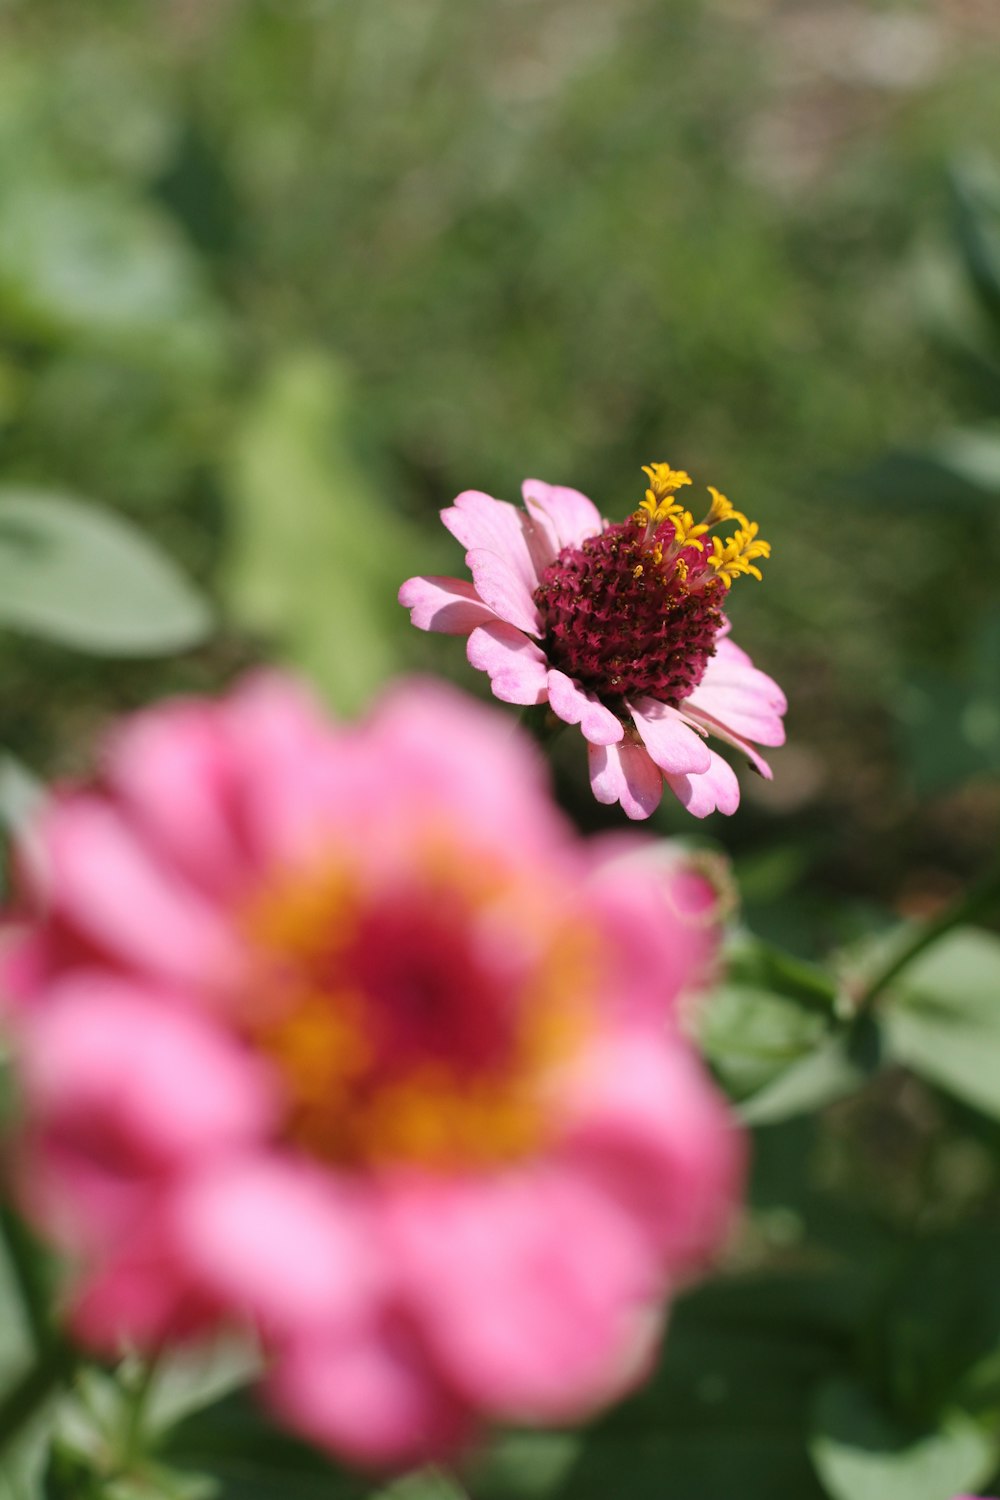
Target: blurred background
{"points": [[278, 278]]}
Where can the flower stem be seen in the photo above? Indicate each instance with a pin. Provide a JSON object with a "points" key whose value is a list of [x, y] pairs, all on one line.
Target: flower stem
{"points": [[976, 901]]}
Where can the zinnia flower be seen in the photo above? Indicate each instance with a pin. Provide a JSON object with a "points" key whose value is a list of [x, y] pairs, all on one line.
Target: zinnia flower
{"points": [[620, 628], [344, 1033]]}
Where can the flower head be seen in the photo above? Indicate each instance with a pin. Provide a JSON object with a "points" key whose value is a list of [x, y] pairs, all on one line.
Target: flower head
{"points": [[620, 627], [315, 1032]]}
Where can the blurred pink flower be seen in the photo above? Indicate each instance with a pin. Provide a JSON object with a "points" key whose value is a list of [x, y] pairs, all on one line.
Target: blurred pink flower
{"points": [[619, 628], [343, 1031]]}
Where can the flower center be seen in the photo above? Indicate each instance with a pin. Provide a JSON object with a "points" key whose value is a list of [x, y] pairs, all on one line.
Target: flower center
{"points": [[417, 1020], [636, 609]]}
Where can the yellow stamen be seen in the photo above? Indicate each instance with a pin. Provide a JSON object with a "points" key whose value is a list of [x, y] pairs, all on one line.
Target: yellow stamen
{"points": [[687, 532], [723, 509], [736, 555], [664, 480]]}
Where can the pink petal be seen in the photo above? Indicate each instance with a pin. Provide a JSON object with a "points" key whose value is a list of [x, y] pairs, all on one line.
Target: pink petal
{"points": [[644, 1121], [517, 668], [664, 917], [369, 1395], [137, 1298], [445, 748], [108, 884], [534, 1289], [483, 524], [449, 605], [575, 706], [737, 696], [130, 1078], [169, 768], [674, 747], [289, 783], [500, 587], [716, 789], [625, 773], [570, 516], [282, 1243], [712, 726]]}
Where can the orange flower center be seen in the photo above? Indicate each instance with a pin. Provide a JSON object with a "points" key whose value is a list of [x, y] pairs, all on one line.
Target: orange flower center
{"points": [[418, 1016]]}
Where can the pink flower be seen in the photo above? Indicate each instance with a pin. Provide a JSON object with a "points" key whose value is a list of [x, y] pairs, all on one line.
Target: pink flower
{"points": [[343, 1032], [620, 628]]}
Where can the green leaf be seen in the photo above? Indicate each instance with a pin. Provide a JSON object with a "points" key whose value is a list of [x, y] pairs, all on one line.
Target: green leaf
{"points": [[426, 1484], [233, 1444], [189, 1378], [89, 261], [771, 1010], [943, 1018], [317, 557], [960, 470], [860, 1453], [832, 1072], [87, 578], [729, 1402], [975, 189]]}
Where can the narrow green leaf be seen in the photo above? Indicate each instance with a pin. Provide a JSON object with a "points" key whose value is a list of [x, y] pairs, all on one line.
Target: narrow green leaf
{"points": [[87, 578], [317, 555]]}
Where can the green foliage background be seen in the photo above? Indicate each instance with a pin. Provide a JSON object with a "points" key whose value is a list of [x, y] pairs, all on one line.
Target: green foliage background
{"points": [[279, 277]]}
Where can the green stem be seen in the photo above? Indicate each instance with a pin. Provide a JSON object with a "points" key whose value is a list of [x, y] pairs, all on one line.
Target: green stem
{"points": [[31, 1392], [976, 902]]}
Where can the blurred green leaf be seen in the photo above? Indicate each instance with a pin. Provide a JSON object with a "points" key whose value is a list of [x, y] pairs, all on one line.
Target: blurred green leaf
{"points": [[959, 469], [89, 261], [862, 1454], [942, 1018], [427, 1484], [771, 1010], [83, 576], [934, 1333], [232, 1443], [729, 1404], [21, 1472], [833, 1071], [21, 795], [950, 720], [317, 555], [192, 1377], [975, 191]]}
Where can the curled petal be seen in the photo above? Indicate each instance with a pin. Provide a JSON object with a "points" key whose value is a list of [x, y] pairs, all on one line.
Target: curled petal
{"points": [[625, 773], [735, 694], [516, 667], [674, 747], [448, 605], [574, 706], [569, 516], [715, 790], [485, 525]]}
